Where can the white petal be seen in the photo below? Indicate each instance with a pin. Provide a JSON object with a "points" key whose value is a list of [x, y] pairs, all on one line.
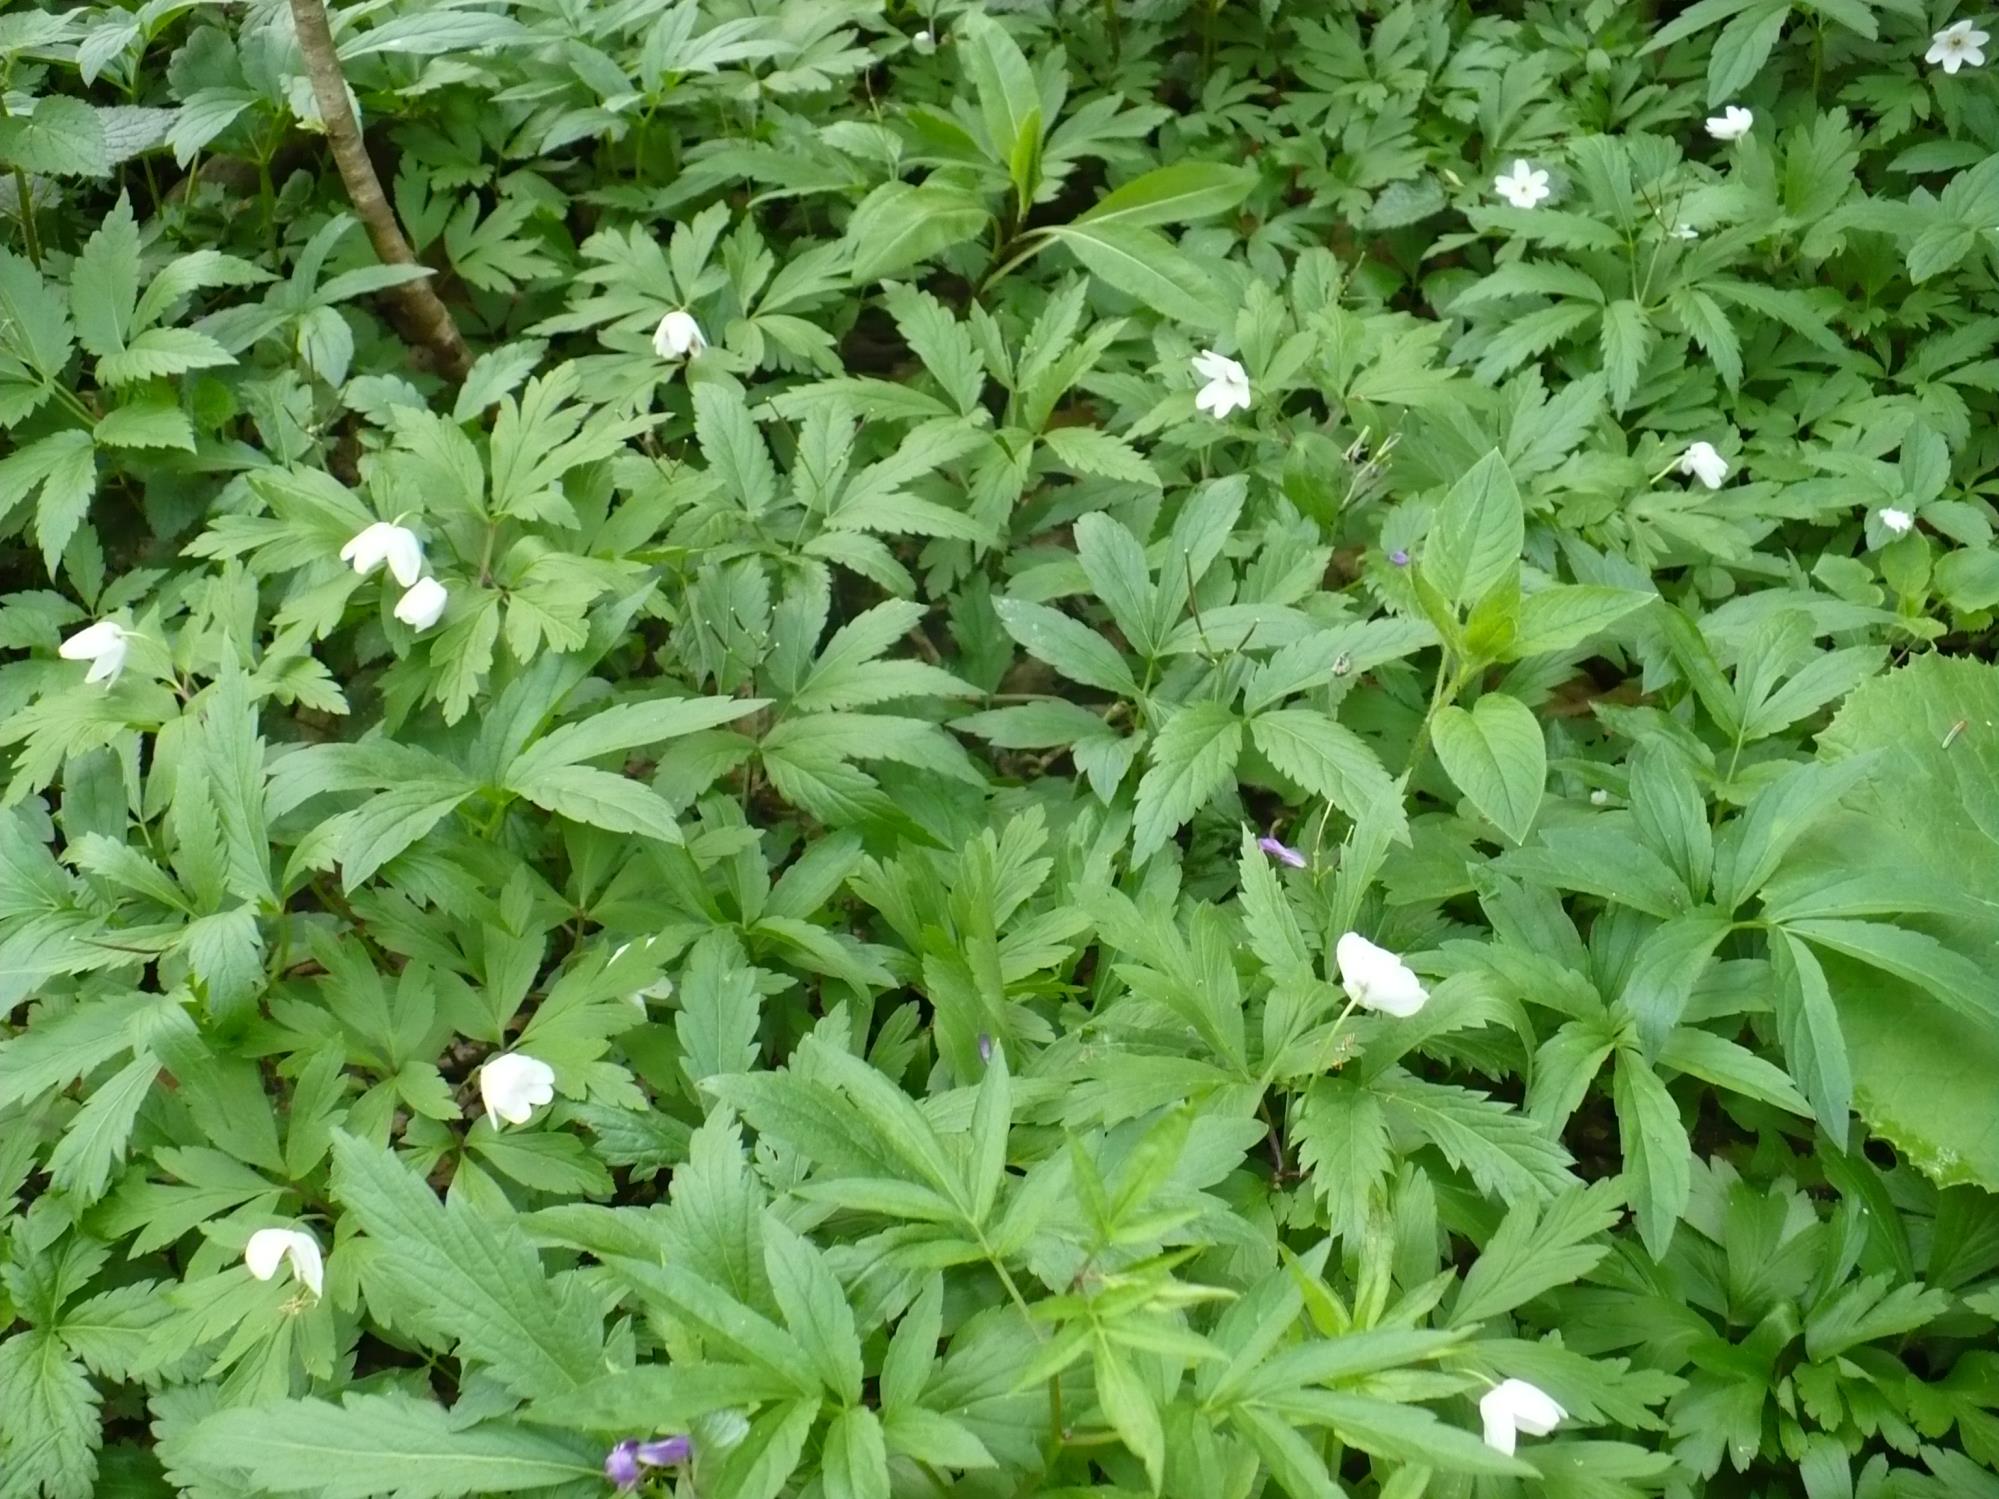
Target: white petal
{"points": [[404, 554], [109, 663], [423, 605], [513, 1085], [93, 641], [1376, 979], [268, 1246], [1514, 1405], [678, 335]]}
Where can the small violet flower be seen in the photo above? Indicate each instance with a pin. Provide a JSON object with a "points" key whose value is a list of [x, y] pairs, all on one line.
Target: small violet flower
{"points": [[383, 542], [1227, 387], [624, 1463], [1897, 522], [985, 1048], [423, 605], [1524, 187], [1731, 124], [1399, 557], [678, 336], [1513, 1406], [104, 645], [269, 1247], [1705, 464], [1958, 45], [1283, 853], [1375, 979], [513, 1085]]}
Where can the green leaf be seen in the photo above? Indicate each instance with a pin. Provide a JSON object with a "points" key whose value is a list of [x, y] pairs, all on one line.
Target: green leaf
{"points": [[1173, 193], [1193, 760], [34, 324], [472, 1275], [898, 226], [1664, 970], [1129, 1407], [1537, 1248], [1564, 616], [62, 138], [1477, 532], [1086, 450], [1497, 757], [1626, 339], [815, 1310], [1342, 1140], [855, 1462], [1067, 644], [381, 1444], [51, 1429], [1808, 1025], [1658, 1160], [1146, 266], [1009, 99], [1330, 760], [144, 424], [366, 838], [600, 799]]}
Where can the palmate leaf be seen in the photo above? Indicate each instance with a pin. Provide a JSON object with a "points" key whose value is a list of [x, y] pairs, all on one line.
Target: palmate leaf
{"points": [[473, 1277], [383, 1444]]}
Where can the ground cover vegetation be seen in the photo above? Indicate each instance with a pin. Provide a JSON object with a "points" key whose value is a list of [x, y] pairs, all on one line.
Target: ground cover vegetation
{"points": [[844, 748]]}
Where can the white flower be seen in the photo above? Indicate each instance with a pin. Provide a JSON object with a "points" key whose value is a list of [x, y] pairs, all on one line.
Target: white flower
{"points": [[1375, 979], [1514, 1406], [1899, 522], [1731, 124], [925, 42], [661, 988], [423, 605], [268, 1246], [383, 542], [1526, 186], [1685, 231], [1705, 464], [1599, 797], [678, 336], [103, 645], [1227, 387], [513, 1085], [1957, 44]]}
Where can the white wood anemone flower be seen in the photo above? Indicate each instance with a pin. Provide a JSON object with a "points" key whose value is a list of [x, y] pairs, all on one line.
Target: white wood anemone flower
{"points": [[1524, 187], [104, 645], [513, 1085], [1375, 979], [385, 541], [1959, 45], [1513, 1406], [1897, 522], [270, 1247], [678, 336], [1227, 387], [423, 605], [1702, 462], [1731, 124]]}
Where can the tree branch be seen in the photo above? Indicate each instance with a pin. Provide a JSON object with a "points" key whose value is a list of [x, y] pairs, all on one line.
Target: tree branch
{"points": [[424, 317]]}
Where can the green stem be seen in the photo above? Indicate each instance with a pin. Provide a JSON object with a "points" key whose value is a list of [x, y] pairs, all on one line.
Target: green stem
{"points": [[24, 205]]}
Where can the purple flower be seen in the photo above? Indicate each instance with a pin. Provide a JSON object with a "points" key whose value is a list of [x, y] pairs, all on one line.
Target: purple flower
{"points": [[1399, 557], [985, 1048], [1282, 853], [621, 1464], [624, 1463]]}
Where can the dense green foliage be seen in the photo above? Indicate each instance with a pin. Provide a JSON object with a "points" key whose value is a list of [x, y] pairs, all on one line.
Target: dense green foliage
{"points": [[797, 893]]}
